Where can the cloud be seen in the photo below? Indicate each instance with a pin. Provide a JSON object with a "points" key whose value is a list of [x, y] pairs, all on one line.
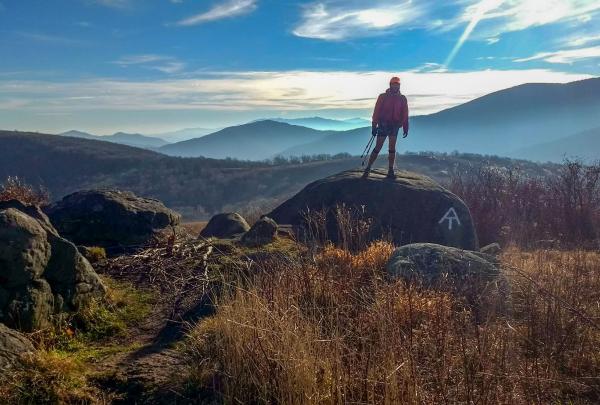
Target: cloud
{"points": [[113, 3], [265, 91], [567, 56], [165, 64], [49, 38], [338, 20], [230, 8], [344, 19], [582, 40], [517, 15]]}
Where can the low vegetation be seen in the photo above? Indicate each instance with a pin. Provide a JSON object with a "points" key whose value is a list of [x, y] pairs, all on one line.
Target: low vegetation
{"points": [[511, 206], [331, 331], [16, 189], [316, 323], [62, 371]]}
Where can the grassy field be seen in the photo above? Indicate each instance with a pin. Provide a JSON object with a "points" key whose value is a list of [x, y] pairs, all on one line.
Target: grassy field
{"points": [[333, 331]]}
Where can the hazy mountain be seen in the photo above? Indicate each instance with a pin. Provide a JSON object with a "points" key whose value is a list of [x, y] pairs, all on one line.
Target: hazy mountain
{"points": [[255, 141], [79, 134], [196, 187], [584, 145], [184, 134], [325, 124], [498, 123], [123, 138]]}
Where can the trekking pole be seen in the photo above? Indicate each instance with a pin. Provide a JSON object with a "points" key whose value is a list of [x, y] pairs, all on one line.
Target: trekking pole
{"points": [[367, 150]]}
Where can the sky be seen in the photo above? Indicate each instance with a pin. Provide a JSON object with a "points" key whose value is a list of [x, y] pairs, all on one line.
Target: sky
{"points": [[152, 66]]}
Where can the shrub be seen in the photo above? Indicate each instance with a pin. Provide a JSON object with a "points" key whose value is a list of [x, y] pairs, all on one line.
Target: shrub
{"points": [[16, 189], [510, 207]]}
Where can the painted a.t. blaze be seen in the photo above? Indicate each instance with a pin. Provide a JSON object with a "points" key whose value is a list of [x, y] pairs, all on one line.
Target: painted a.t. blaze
{"points": [[411, 208]]}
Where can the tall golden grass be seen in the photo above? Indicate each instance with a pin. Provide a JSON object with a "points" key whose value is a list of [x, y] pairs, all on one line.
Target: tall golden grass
{"points": [[330, 329]]}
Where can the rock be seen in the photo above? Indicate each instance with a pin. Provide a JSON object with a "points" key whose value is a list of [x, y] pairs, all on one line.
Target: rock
{"points": [[411, 208], [110, 219], [493, 249], [13, 345], [262, 233], [474, 275], [25, 252], [42, 275], [226, 225]]}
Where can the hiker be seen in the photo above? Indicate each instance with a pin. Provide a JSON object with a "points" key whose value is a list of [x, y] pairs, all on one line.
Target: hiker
{"points": [[391, 113]]}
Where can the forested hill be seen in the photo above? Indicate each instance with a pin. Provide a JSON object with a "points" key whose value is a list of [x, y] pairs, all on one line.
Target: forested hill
{"points": [[197, 187]]}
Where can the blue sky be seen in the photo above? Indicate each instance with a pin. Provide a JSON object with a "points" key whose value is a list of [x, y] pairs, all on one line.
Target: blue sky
{"points": [[157, 65]]}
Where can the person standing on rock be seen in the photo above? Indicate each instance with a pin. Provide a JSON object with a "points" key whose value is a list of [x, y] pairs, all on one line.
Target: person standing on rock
{"points": [[391, 113]]}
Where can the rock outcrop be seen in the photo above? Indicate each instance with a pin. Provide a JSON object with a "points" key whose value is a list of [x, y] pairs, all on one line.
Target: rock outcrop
{"points": [[226, 225], [411, 208], [13, 346], [41, 273], [111, 219], [262, 233], [474, 275]]}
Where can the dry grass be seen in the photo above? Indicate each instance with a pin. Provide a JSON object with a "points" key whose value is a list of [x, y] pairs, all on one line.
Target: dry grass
{"points": [[330, 329]]}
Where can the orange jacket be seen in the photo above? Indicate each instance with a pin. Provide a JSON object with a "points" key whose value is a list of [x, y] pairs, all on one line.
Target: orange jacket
{"points": [[391, 109]]}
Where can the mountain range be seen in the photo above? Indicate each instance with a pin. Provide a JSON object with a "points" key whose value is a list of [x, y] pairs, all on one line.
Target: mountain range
{"points": [[137, 140], [325, 124], [509, 122]]}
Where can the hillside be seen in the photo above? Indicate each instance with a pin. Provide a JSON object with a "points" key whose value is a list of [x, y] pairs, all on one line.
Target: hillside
{"points": [[137, 140], [197, 187], [583, 145], [498, 123], [256, 141]]}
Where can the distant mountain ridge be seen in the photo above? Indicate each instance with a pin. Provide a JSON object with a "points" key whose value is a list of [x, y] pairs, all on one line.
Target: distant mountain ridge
{"points": [[498, 123], [324, 124], [123, 138], [254, 141]]}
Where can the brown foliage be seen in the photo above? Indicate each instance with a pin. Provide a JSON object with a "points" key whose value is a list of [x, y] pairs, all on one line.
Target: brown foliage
{"points": [[511, 207], [16, 189]]}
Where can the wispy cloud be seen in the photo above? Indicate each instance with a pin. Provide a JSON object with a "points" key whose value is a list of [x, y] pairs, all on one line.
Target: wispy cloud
{"points": [[581, 40], [478, 19], [165, 64], [113, 3], [228, 9], [49, 38], [478, 13], [566, 56], [262, 91], [517, 15], [338, 20]]}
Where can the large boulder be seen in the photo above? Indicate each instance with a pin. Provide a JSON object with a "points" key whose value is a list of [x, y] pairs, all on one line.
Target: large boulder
{"points": [[411, 208], [110, 218], [13, 345], [226, 225], [473, 275], [262, 233], [42, 275]]}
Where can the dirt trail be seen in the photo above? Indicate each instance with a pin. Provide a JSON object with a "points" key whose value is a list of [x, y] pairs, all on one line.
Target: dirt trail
{"points": [[178, 274]]}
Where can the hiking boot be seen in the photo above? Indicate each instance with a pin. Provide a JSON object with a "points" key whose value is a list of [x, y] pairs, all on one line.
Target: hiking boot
{"points": [[391, 174], [366, 173]]}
